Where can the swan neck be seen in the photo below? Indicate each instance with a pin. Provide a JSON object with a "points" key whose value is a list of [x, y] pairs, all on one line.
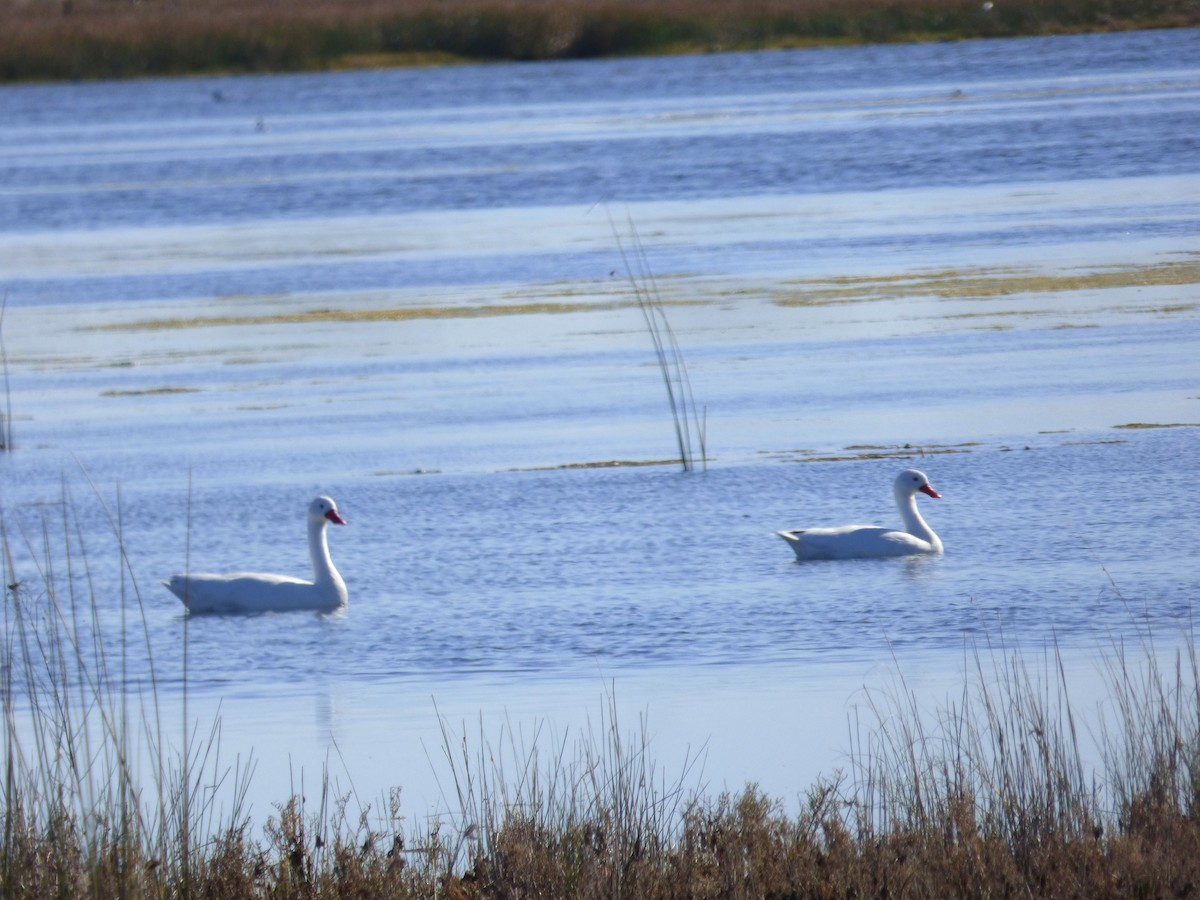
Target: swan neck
{"points": [[914, 524], [318, 548]]}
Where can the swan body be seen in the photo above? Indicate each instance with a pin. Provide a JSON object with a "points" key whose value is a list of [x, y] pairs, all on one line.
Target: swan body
{"points": [[251, 592], [871, 541]]}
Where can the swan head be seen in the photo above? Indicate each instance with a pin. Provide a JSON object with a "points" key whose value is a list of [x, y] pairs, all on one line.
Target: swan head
{"points": [[324, 509], [910, 481]]}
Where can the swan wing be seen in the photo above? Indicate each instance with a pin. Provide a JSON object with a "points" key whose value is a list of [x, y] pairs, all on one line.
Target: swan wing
{"points": [[853, 542], [248, 592]]}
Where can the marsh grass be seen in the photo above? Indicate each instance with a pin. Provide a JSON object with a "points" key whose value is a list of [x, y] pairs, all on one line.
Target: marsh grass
{"points": [[597, 817], [56, 39], [97, 801], [998, 790]]}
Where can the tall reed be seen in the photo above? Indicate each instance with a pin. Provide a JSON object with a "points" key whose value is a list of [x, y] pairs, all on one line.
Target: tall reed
{"points": [[535, 818], [93, 785], [999, 791], [689, 424]]}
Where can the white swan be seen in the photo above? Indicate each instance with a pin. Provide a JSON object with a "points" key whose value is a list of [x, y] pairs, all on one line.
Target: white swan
{"points": [[258, 592], [870, 541]]}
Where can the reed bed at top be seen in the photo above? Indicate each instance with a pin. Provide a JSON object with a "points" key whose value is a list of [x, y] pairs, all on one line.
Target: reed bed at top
{"points": [[993, 792], [69, 39]]}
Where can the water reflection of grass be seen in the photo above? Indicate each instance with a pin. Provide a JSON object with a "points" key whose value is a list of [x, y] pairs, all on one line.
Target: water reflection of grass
{"points": [[991, 793], [105, 39]]}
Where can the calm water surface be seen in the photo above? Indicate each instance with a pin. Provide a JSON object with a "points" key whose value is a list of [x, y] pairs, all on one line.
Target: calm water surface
{"points": [[407, 289]]}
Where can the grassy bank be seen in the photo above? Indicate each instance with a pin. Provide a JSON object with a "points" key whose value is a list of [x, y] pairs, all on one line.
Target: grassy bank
{"points": [[68, 39], [989, 795]]}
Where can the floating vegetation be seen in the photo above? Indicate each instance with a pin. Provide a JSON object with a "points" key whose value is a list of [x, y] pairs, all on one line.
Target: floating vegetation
{"points": [[149, 392], [856, 452], [1132, 425], [986, 283], [392, 314], [602, 464]]}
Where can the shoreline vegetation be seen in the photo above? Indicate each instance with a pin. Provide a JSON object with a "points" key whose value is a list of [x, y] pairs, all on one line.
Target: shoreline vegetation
{"points": [[1003, 790], [51, 40]]}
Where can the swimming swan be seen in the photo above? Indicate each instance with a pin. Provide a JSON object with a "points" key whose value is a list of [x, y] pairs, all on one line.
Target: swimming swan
{"points": [[869, 541], [258, 592]]}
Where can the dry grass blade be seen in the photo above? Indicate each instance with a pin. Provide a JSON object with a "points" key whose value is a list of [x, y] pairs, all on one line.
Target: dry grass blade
{"points": [[537, 817]]}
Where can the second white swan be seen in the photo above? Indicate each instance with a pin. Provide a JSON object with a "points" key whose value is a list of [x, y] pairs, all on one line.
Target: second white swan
{"points": [[872, 541], [250, 592]]}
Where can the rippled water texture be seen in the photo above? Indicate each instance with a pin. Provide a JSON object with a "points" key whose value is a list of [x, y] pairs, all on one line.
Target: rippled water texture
{"points": [[415, 290]]}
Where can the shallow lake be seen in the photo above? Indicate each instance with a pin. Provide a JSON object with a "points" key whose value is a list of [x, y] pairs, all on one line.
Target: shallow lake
{"points": [[417, 291]]}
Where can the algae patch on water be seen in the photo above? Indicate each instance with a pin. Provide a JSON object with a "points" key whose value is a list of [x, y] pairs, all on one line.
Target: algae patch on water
{"points": [[147, 392], [388, 314], [985, 283], [601, 464], [858, 452], [1142, 425]]}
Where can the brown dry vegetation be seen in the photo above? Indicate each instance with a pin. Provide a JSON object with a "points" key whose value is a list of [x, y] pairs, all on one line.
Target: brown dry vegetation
{"points": [[56, 39], [739, 846], [934, 820]]}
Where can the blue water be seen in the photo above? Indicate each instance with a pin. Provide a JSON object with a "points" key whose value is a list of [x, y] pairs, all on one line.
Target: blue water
{"points": [[190, 152], [483, 573]]}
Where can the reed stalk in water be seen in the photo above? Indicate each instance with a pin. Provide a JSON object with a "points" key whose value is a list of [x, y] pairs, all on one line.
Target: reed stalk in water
{"points": [[689, 425]]}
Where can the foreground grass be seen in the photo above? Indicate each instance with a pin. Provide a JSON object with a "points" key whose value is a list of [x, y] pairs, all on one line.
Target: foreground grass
{"points": [[67, 39], [987, 796]]}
